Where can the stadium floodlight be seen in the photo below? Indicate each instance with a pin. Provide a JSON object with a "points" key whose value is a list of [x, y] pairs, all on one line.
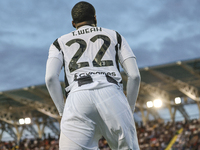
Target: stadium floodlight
{"points": [[27, 120], [157, 103], [21, 121], [177, 100], [149, 104]]}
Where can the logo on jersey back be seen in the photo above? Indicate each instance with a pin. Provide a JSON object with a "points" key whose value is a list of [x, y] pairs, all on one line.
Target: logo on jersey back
{"points": [[80, 75]]}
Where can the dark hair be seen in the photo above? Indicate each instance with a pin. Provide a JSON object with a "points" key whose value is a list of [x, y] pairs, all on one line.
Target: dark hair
{"points": [[82, 11]]}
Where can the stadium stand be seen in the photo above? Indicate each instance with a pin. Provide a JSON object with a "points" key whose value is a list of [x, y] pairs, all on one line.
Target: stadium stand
{"points": [[172, 126], [31, 144]]}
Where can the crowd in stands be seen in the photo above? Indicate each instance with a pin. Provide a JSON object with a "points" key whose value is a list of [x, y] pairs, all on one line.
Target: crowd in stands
{"points": [[189, 139], [31, 144], [154, 135], [157, 135], [46, 144]]}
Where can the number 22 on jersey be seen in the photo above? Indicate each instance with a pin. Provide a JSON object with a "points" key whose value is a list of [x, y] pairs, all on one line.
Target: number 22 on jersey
{"points": [[97, 62]]}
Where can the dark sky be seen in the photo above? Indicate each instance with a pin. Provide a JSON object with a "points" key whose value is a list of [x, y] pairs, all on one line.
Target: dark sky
{"points": [[158, 31]]}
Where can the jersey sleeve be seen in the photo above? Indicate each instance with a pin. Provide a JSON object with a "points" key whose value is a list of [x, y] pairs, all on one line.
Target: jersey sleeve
{"points": [[55, 51], [125, 51], [53, 68]]}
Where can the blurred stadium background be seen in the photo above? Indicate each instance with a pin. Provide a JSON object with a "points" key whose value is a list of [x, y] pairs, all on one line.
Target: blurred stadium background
{"points": [[158, 31], [167, 111]]}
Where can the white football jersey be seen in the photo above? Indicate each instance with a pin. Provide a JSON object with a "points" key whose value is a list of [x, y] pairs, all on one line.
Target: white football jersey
{"points": [[90, 56]]}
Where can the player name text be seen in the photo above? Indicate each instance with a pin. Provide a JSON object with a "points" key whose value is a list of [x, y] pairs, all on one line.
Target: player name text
{"points": [[87, 30]]}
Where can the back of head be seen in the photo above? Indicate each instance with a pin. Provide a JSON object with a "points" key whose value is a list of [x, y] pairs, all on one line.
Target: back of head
{"points": [[83, 11]]}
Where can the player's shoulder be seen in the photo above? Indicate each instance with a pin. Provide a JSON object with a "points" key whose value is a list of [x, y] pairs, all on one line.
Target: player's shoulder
{"points": [[110, 31], [62, 38], [59, 40], [67, 35], [115, 34]]}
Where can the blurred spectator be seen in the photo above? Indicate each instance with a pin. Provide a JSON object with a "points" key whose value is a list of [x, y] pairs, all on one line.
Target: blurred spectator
{"points": [[103, 145]]}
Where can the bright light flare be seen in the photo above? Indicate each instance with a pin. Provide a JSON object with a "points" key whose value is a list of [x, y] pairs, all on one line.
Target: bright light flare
{"points": [[24, 121], [157, 103], [149, 104], [177, 100], [27, 120], [21, 121]]}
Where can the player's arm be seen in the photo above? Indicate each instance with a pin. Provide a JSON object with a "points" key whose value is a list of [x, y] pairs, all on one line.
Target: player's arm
{"points": [[53, 68], [133, 82], [129, 64]]}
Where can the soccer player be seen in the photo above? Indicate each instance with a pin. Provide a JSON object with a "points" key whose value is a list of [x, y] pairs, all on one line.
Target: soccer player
{"points": [[96, 105]]}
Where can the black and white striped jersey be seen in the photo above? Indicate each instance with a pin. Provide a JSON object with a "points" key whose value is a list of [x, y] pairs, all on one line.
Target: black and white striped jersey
{"points": [[91, 57]]}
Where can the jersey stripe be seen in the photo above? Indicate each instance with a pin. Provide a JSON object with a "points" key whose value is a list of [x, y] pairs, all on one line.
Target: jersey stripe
{"points": [[56, 44], [117, 47], [119, 39]]}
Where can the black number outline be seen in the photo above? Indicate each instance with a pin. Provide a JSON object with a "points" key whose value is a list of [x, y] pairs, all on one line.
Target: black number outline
{"points": [[97, 62], [73, 65]]}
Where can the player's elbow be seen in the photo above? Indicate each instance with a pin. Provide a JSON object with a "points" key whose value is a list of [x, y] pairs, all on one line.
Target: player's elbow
{"points": [[49, 79], [135, 77]]}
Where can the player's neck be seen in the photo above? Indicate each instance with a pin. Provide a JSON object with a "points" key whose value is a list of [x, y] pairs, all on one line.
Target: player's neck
{"points": [[78, 25]]}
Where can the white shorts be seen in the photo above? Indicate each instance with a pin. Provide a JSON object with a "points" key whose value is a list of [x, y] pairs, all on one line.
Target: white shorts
{"points": [[90, 114]]}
